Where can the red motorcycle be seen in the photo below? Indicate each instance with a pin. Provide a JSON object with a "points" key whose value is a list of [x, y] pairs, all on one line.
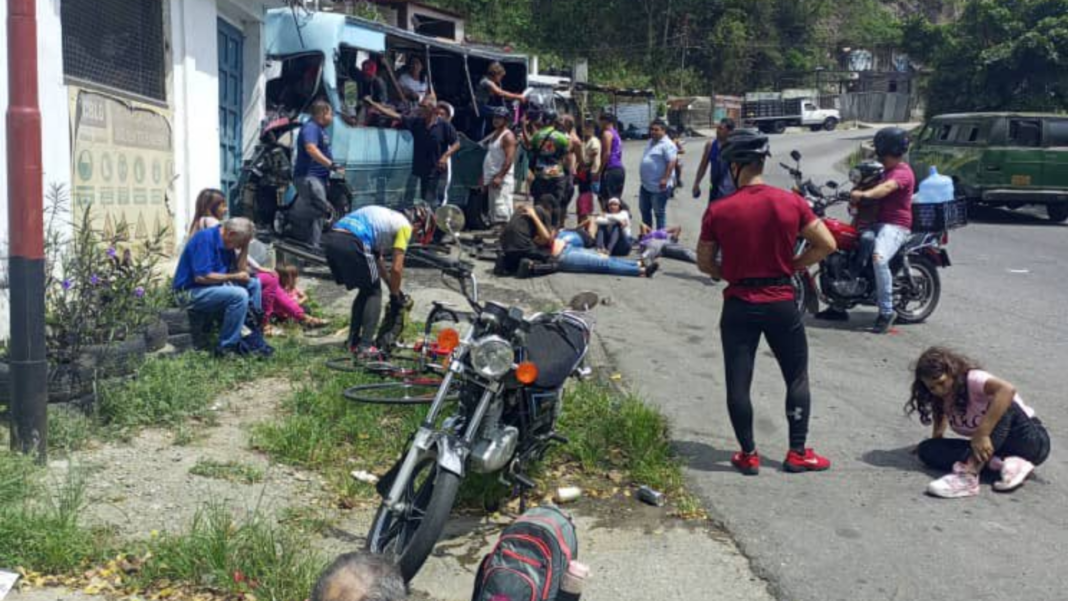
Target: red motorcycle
{"points": [[844, 280]]}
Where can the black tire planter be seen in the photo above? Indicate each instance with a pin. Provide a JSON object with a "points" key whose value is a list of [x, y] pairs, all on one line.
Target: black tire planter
{"points": [[177, 321], [156, 335], [181, 342], [118, 359]]}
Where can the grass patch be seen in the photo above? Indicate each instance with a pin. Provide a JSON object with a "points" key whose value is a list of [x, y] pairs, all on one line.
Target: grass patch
{"points": [[611, 431], [231, 471], [40, 525], [251, 556], [69, 429], [321, 430]]}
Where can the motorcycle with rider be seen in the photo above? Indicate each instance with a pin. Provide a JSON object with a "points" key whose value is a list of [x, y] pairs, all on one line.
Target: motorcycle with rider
{"points": [[884, 258]]}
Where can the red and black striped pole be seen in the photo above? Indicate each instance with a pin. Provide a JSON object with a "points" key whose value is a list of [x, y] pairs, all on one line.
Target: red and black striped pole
{"points": [[26, 264]]}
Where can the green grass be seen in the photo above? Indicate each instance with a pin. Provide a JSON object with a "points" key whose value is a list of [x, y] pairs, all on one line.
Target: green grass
{"points": [[231, 471], [608, 430], [69, 429], [40, 525], [239, 557]]}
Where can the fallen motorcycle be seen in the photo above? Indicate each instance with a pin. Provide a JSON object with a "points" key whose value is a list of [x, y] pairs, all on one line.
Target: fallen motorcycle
{"points": [[506, 375]]}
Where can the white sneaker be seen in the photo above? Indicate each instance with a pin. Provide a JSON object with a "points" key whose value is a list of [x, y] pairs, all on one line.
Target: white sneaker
{"points": [[959, 484], [1014, 472]]}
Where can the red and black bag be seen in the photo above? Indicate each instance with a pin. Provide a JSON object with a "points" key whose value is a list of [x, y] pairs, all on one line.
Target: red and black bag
{"points": [[530, 559]]}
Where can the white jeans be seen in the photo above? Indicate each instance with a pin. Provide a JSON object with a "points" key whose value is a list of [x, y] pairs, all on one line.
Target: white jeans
{"points": [[501, 204], [888, 240]]}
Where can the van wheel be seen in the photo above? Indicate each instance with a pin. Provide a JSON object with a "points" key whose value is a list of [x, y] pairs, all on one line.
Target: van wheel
{"points": [[830, 124], [1057, 213]]}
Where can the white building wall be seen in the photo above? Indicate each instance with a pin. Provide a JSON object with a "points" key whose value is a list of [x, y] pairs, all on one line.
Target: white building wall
{"points": [[195, 92], [55, 124]]}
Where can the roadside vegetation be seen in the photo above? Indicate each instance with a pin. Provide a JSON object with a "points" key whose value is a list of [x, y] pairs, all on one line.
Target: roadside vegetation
{"points": [[616, 443]]}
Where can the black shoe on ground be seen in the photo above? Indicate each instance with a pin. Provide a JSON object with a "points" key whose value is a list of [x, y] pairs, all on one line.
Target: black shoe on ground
{"points": [[523, 271], [883, 324], [833, 314], [650, 270]]}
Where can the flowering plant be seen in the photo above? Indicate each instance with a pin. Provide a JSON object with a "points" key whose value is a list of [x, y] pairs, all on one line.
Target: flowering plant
{"points": [[101, 286]]}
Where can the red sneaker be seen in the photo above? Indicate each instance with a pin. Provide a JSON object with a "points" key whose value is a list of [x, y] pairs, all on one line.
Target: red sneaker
{"points": [[809, 462], [747, 463]]}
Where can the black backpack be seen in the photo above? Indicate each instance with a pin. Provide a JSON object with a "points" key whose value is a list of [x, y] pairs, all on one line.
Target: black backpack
{"points": [[530, 559]]}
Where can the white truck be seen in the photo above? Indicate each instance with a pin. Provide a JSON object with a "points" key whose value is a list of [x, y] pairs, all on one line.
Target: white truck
{"points": [[774, 112]]}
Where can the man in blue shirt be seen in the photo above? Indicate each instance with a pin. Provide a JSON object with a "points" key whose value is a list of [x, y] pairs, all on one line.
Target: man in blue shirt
{"points": [[311, 173], [720, 183], [213, 273], [657, 175]]}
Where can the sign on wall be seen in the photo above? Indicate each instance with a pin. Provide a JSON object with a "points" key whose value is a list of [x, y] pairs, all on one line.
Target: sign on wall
{"points": [[122, 163]]}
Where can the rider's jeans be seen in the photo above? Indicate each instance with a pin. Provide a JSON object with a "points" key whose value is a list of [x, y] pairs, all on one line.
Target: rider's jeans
{"points": [[575, 259], [888, 240]]}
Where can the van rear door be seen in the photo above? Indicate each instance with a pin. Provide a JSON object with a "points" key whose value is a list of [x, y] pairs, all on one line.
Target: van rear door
{"points": [[1055, 167]]}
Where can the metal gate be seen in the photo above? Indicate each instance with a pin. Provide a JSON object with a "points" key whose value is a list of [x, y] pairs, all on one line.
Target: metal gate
{"points": [[231, 103]]}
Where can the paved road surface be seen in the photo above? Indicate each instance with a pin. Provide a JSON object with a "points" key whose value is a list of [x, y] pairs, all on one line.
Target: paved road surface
{"points": [[863, 531]]}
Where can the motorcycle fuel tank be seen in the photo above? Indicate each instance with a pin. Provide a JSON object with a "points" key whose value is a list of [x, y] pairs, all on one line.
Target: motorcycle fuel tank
{"points": [[844, 234]]}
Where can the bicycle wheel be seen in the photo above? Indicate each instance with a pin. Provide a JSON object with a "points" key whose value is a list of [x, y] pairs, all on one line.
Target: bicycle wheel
{"points": [[347, 363], [396, 393]]}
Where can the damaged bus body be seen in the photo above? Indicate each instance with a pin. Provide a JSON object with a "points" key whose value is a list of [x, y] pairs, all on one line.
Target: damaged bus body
{"points": [[319, 56]]}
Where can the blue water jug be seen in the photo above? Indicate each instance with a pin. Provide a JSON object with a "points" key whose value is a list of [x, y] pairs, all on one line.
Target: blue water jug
{"points": [[934, 189]]}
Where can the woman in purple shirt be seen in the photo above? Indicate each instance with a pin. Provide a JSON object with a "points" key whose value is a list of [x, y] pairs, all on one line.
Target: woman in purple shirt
{"points": [[609, 183]]}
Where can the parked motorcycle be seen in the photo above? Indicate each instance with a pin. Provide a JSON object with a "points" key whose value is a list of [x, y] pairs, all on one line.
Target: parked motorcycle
{"points": [[917, 286], [508, 372]]}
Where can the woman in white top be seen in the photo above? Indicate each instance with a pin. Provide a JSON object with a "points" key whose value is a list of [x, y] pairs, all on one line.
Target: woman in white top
{"points": [[613, 230], [413, 81], [498, 168]]}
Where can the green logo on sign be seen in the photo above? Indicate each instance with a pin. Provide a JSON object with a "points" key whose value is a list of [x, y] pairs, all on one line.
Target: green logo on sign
{"points": [[85, 165], [105, 166], [122, 168], [139, 170], [157, 171]]}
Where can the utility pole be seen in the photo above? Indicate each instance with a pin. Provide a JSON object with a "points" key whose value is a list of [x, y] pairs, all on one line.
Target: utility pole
{"points": [[25, 218]]}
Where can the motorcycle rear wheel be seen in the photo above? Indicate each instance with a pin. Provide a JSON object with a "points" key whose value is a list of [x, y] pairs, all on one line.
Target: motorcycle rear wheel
{"points": [[407, 536], [925, 295]]}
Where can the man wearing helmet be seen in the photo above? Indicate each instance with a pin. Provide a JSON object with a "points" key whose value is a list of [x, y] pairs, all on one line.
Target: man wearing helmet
{"points": [[893, 220], [756, 230], [498, 168], [354, 249]]}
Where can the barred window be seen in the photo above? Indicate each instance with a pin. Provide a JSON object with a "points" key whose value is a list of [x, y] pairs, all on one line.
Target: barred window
{"points": [[115, 43]]}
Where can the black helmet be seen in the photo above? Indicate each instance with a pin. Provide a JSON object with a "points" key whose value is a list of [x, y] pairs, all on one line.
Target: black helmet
{"points": [[891, 142], [746, 146], [548, 116], [866, 174], [500, 111]]}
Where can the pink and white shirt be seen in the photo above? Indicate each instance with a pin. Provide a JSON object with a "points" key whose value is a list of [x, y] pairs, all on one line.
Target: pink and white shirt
{"points": [[978, 404]]}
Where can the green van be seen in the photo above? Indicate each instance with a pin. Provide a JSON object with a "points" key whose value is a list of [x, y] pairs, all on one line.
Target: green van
{"points": [[1000, 159]]}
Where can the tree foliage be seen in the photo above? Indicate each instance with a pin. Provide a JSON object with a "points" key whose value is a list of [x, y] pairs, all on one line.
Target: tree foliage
{"points": [[1000, 55], [686, 46]]}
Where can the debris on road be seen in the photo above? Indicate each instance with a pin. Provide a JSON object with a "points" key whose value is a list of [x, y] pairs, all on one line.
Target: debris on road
{"points": [[366, 477], [651, 497], [567, 494]]}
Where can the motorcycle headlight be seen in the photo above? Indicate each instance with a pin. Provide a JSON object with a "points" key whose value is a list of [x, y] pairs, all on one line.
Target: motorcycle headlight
{"points": [[492, 357], [855, 176]]}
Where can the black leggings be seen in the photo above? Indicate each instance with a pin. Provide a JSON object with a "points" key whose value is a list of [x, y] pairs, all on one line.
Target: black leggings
{"points": [[741, 326], [1016, 435]]}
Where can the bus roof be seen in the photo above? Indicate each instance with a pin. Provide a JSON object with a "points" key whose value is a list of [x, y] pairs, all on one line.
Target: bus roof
{"points": [[292, 31]]}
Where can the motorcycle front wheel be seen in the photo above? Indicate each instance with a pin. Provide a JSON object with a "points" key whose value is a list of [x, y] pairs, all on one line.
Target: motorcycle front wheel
{"points": [[915, 301], [407, 535]]}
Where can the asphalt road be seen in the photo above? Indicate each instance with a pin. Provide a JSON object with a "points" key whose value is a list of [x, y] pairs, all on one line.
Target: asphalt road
{"points": [[864, 530]]}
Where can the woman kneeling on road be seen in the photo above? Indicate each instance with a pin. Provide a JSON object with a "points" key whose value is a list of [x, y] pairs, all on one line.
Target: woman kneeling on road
{"points": [[1003, 433]]}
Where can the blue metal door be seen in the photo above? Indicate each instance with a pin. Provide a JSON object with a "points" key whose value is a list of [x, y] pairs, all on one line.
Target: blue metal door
{"points": [[231, 103]]}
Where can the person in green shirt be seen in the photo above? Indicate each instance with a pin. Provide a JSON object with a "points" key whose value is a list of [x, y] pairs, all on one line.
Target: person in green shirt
{"points": [[548, 148]]}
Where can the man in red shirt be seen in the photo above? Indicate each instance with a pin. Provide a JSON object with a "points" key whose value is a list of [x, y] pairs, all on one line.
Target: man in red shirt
{"points": [[893, 224], [756, 229]]}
